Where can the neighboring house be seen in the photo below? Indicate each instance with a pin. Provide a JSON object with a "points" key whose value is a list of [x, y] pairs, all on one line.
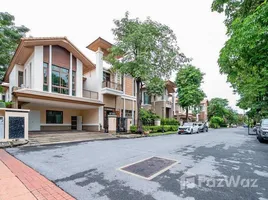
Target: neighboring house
{"points": [[64, 89], [163, 105], [180, 113]]}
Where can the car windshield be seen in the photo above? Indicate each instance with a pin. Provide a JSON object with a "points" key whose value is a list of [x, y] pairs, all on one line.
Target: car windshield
{"points": [[187, 124], [200, 124]]}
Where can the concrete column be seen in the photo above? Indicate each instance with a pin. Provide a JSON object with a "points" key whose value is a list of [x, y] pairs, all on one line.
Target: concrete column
{"points": [[99, 77], [79, 78], [112, 123], [71, 75], [50, 69], [124, 108]]}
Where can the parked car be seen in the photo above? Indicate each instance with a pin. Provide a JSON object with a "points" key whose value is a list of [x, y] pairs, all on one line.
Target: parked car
{"points": [[189, 127], [263, 131], [256, 128], [203, 127]]}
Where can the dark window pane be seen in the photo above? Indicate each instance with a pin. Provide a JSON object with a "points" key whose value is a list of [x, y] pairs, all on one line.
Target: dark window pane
{"points": [[20, 78], [64, 91], [73, 92], [54, 117], [56, 89], [45, 88], [64, 80], [55, 78]]}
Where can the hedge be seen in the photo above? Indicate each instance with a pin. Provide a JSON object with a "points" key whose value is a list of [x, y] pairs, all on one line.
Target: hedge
{"points": [[155, 129], [169, 122]]}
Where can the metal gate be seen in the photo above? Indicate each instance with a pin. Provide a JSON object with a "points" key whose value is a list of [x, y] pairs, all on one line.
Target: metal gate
{"points": [[121, 124]]}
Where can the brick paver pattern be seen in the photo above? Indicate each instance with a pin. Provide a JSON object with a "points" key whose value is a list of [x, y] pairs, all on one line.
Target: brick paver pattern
{"points": [[20, 182]]}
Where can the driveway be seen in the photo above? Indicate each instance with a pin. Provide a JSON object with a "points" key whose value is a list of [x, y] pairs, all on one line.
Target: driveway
{"points": [[207, 164]]}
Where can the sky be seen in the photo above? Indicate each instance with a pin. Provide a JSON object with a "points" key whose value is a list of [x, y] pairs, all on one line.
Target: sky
{"points": [[200, 32]]}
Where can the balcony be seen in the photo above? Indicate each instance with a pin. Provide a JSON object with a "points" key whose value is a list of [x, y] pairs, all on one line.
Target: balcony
{"points": [[111, 88], [90, 94]]}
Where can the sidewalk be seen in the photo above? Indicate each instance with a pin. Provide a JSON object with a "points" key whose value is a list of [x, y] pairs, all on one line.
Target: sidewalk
{"points": [[20, 182]]}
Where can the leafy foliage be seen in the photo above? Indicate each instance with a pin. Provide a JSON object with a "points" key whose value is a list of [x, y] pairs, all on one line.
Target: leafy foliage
{"points": [[218, 107], [169, 121], [188, 81], [147, 117], [234, 9], [147, 50], [155, 129], [244, 57], [216, 122], [9, 38]]}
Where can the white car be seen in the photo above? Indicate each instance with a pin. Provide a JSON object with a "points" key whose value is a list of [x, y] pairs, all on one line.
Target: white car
{"points": [[188, 127]]}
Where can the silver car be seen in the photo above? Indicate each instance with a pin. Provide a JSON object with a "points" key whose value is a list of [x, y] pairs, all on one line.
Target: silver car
{"points": [[263, 131]]}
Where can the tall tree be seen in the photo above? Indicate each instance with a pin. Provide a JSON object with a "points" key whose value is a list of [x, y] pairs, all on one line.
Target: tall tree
{"points": [[9, 38], [217, 107], [188, 81], [244, 57], [146, 50]]}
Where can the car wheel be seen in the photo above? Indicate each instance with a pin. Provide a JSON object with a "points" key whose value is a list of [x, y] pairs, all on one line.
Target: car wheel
{"points": [[192, 131], [260, 139], [197, 131], [206, 129], [179, 133]]}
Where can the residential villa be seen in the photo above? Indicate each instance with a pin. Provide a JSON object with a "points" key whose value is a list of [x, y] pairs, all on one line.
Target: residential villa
{"points": [[166, 105], [63, 89]]}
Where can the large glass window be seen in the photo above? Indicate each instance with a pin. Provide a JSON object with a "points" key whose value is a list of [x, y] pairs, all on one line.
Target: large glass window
{"points": [[54, 117], [60, 80], [45, 77], [147, 98]]}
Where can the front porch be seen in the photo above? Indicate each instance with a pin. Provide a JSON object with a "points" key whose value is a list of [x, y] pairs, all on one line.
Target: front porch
{"points": [[58, 112]]}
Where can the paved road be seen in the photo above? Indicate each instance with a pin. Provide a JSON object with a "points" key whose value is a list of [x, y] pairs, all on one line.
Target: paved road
{"points": [[90, 170]]}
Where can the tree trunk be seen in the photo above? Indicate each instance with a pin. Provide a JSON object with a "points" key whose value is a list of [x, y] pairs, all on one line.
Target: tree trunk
{"points": [[138, 101], [187, 114]]}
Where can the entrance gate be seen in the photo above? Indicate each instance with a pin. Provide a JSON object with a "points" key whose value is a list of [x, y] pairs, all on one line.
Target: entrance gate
{"points": [[121, 124]]}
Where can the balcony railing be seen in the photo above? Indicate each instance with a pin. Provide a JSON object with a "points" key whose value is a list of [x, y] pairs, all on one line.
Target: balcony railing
{"points": [[112, 85], [90, 94]]}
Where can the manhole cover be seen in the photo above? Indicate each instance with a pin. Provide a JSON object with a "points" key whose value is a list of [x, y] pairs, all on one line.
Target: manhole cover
{"points": [[149, 168]]}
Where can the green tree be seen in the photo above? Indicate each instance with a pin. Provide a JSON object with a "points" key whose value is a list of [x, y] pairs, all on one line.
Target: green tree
{"points": [[217, 107], [188, 81], [244, 57], [234, 9], [146, 50], [9, 38]]}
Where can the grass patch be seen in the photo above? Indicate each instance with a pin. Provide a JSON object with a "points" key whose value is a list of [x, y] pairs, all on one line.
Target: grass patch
{"points": [[160, 133]]}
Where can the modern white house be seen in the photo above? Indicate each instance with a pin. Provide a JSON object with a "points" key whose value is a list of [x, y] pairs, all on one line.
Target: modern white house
{"points": [[63, 89]]}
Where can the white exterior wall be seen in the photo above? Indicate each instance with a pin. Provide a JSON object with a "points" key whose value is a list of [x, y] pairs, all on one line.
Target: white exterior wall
{"points": [[12, 82], [79, 78], [37, 69], [91, 80], [27, 78]]}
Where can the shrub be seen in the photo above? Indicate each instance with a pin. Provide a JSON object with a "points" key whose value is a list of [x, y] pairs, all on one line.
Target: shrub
{"points": [[216, 122], [133, 129], [155, 129], [166, 121], [148, 117]]}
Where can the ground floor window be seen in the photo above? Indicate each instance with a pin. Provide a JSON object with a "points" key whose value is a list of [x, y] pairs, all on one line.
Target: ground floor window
{"points": [[54, 117]]}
